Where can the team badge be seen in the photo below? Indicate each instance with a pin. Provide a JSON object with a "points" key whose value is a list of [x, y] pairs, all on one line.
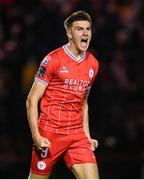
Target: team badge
{"points": [[41, 165], [91, 73], [41, 71], [45, 60]]}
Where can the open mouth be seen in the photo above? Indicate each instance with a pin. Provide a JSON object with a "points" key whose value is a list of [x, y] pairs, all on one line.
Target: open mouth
{"points": [[84, 42]]}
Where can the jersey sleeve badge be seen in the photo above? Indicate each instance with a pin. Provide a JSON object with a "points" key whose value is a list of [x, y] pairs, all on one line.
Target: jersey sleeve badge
{"points": [[45, 60], [41, 71]]}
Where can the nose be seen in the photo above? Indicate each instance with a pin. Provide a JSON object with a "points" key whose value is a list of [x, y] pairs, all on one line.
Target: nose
{"points": [[85, 32]]}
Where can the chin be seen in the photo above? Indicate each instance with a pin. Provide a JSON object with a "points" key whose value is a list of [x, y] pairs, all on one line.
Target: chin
{"points": [[84, 49]]}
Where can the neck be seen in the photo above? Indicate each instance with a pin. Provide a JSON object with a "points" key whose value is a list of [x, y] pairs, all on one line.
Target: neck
{"points": [[73, 50]]}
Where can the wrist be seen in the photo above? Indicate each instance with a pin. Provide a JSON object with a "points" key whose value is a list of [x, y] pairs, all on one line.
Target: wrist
{"points": [[35, 135]]}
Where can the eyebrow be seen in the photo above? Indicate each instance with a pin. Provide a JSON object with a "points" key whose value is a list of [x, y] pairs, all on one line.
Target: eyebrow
{"points": [[82, 27]]}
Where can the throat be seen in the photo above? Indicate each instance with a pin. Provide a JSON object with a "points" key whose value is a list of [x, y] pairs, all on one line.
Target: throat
{"points": [[78, 57], [78, 54], [75, 54]]}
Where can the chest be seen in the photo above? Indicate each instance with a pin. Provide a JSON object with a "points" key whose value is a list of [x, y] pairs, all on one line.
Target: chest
{"points": [[74, 76], [73, 71]]}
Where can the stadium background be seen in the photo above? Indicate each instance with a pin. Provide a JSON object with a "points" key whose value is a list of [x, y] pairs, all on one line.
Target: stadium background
{"points": [[31, 29]]}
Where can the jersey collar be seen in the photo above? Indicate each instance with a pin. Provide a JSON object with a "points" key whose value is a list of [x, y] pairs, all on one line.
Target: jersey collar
{"points": [[80, 59]]}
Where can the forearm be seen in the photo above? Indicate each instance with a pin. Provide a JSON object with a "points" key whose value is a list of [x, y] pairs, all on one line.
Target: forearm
{"points": [[87, 132], [32, 114], [93, 142], [86, 120]]}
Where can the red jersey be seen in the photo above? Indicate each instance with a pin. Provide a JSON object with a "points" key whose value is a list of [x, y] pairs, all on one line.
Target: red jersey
{"points": [[67, 79]]}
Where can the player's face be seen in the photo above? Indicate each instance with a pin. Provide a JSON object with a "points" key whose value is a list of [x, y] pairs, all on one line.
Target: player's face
{"points": [[80, 35]]}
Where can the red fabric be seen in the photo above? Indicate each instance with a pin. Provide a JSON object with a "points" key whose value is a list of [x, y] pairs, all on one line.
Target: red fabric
{"points": [[74, 148], [68, 81]]}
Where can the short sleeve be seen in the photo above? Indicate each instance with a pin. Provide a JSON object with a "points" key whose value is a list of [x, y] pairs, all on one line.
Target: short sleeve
{"points": [[47, 69]]}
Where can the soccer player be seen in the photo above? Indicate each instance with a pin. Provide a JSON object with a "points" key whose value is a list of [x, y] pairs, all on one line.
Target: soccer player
{"points": [[62, 84]]}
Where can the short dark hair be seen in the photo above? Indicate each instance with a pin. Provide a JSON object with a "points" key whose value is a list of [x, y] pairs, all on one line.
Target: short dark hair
{"points": [[77, 16]]}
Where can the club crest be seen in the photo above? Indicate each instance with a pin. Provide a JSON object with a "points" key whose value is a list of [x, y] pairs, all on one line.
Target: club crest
{"points": [[91, 73], [41, 165]]}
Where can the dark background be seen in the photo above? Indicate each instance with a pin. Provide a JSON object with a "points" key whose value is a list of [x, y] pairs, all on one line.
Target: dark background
{"points": [[31, 29]]}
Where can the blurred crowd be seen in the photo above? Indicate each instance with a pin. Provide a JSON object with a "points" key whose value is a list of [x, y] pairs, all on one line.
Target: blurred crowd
{"points": [[31, 29]]}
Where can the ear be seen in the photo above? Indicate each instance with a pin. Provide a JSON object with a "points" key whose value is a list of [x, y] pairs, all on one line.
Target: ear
{"points": [[69, 34]]}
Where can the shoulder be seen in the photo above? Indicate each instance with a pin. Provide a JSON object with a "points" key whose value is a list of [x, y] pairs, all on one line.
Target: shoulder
{"points": [[52, 57], [55, 53]]}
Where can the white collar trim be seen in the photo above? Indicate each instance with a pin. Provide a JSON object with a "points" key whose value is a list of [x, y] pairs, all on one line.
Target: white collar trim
{"points": [[77, 59]]}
